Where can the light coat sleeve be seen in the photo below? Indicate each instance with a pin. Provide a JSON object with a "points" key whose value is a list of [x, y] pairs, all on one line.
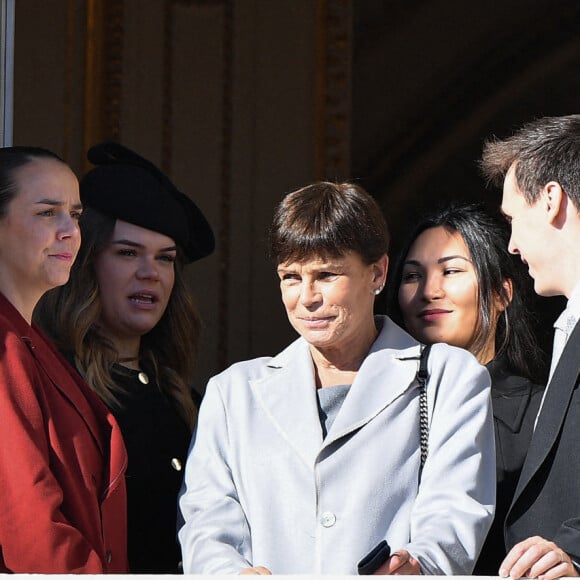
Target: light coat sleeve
{"points": [[454, 506], [215, 538]]}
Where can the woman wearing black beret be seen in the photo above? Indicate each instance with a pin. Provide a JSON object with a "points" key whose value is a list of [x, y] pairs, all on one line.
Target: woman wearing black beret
{"points": [[128, 324]]}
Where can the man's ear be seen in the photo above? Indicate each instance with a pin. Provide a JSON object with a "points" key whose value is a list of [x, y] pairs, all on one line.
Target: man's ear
{"points": [[554, 199]]}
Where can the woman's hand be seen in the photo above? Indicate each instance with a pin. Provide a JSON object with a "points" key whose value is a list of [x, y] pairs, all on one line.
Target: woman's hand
{"points": [[256, 570], [400, 563], [537, 558]]}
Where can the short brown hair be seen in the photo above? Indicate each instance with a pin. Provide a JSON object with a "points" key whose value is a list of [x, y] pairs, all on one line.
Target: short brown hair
{"points": [[546, 149], [328, 220]]}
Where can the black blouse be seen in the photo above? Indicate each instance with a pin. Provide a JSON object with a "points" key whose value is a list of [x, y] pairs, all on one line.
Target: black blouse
{"points": [[157, 442], [515, 401]]}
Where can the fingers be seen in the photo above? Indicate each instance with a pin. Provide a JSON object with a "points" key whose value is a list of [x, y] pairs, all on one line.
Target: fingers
{"points": [[400, 563], [256, 571], [513, 563], [536, 557]]}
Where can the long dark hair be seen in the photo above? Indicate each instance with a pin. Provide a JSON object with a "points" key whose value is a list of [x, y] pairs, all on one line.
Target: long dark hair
{"points": [[486, 238]]}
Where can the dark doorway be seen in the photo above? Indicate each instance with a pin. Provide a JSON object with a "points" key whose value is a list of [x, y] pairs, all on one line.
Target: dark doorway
{"points": [[432, 80]]}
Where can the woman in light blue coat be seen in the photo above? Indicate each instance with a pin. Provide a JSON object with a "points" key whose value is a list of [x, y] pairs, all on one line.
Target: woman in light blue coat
{"points": [[303, 463]]}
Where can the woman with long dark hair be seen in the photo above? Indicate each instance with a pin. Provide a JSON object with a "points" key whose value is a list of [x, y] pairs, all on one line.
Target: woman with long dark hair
{"points": [[456, 282]]}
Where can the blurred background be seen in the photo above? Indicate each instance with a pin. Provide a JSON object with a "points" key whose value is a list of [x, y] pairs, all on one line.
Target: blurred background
{"points": [[241, 101]]}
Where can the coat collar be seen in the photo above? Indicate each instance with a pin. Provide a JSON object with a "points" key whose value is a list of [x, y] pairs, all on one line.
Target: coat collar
{"points": [[288, 394], [100, 422], [63, 376], [512, 395]]}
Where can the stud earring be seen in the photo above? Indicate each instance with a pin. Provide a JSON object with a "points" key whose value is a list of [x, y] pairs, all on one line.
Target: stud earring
{"points": [[378, 290]]}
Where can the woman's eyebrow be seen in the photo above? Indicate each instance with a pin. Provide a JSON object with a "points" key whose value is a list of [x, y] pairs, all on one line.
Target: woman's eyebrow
{"points": [[457, 257], [57, 203], [439, 261], [125, 242], [133, 244]]}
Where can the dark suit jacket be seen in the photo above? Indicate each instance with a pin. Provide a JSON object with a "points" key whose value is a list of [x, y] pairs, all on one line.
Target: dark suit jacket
{"points": [[515, 402], [547, 498], [62, 462]]}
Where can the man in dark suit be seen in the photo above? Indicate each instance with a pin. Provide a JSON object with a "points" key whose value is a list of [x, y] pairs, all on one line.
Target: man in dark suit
{"points": [[540, 169]]}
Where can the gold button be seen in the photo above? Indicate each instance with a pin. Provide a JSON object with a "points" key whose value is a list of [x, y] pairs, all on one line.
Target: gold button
{"points": [[176, 464]]}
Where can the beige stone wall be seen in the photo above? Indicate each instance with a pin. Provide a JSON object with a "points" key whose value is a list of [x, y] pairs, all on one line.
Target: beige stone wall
{"points": [[240, 101], [221, 94]]}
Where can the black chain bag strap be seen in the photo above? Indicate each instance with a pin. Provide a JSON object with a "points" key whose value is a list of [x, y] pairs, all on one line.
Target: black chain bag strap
{"points": [[422, 376], [379, 554]]}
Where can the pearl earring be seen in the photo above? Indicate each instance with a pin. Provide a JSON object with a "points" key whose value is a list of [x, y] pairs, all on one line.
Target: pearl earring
{"points": [[378, 290]]}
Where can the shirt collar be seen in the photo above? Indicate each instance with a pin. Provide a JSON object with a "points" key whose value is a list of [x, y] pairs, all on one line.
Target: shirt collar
{"points": [[572, 308]]}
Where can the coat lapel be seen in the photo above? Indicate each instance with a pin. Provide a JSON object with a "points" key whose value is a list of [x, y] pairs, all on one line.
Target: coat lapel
{"points": [[99, 421], [553, 410], [288, 396], [516, 394], [383, 377], [67, 381], [63, 376]]}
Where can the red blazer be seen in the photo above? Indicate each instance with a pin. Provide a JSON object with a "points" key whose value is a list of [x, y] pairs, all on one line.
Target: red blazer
{"points": [[62, 462]]}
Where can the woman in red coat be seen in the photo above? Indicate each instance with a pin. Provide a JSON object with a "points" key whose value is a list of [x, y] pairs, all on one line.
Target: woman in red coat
{"points": [[62, 458]]}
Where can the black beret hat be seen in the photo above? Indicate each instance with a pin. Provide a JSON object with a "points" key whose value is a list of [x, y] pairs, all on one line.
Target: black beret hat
{"points": [[130, 188]]}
